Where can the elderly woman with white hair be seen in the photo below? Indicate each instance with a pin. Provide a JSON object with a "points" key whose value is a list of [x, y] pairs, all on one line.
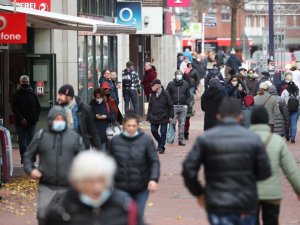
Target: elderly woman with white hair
{"points": [[264, 98], [92, 199]]}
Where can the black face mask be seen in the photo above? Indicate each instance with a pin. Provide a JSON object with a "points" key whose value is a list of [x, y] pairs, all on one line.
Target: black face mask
{"points": [[25, 86]]}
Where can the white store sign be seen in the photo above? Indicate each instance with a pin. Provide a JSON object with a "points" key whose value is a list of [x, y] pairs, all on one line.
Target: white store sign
{"points": [[152, 20]]}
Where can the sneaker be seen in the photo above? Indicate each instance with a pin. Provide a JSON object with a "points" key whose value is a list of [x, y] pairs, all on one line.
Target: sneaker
{"points": [[181, 143], [293, 141], [161, 151]]}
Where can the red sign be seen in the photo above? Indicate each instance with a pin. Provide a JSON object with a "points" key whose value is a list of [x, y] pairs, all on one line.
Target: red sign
{"points": [[43, 5], [178, 3], [13, 28]]}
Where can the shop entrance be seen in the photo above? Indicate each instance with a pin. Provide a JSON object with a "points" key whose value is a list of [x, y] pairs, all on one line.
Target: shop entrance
{"points": [[4, 85], [41, 69]]}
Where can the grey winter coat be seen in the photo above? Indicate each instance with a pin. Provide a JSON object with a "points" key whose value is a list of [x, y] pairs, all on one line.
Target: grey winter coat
{"points": [[270, 103], [56, 151], [281, 118]]}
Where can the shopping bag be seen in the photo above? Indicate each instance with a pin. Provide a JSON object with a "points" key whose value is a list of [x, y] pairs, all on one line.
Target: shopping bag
{"points": [[113, 129], [171, 133]]}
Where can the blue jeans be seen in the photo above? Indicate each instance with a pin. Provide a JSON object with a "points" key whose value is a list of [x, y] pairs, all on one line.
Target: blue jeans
{"points": [[25, 135], [293, 123], [141, 199], [231, 219], [161, 139], [130, 95]]}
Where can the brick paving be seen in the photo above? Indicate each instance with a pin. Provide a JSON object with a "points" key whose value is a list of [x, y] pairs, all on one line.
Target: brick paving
{"points": [[172, 204]]}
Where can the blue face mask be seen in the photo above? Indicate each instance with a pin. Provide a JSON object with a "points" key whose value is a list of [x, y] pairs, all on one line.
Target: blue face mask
{"points": [[95, 203], [58, 126], [128, 135]]}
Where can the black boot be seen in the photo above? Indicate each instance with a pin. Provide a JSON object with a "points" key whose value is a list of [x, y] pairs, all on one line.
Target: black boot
{"points": [[186, 136]]}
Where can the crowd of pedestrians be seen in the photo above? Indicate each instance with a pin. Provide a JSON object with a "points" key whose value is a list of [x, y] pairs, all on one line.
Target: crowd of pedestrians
{"points": [[87, 176]]}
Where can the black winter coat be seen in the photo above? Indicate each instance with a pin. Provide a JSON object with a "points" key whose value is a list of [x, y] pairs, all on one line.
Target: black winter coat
{"points": [[160, 108], [212, 74], [234, 63], [113, 91], [101, 125], [87, 128], [233, 164], [232, 91], [25, 105], [210, 101], [192, 78], [137, 161], [200, 67], [179, 92], [56, 152], [67, 209]]}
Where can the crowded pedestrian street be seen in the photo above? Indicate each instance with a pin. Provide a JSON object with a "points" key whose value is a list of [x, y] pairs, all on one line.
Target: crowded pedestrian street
{"points": [[171, 205]]}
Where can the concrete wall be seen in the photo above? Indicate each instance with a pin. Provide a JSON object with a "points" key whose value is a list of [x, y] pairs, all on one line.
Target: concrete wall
{"points": [[64, 44], [164, 54]]}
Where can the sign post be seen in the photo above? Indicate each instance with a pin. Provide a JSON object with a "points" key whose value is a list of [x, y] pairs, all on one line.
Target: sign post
{"points": [[203, 33]]}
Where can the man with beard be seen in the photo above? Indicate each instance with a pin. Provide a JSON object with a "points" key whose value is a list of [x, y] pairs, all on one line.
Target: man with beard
{"points": [[79, 116]]}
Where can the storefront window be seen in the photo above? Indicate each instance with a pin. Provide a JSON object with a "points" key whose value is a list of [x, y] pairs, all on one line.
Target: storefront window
{"points": [[105, 53], [97, 7]]}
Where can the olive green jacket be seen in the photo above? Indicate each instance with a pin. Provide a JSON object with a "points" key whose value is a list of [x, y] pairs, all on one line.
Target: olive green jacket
{"points": [[280, 158]]}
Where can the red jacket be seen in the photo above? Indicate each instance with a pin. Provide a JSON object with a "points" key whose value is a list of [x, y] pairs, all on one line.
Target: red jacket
{"points": [[150, 75]]}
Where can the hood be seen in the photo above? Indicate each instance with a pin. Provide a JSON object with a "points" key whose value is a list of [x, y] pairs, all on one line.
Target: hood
{"points": [[215, 72], [55, 111], [260, 127], [272, 90], [210, 93], [177, 83]]}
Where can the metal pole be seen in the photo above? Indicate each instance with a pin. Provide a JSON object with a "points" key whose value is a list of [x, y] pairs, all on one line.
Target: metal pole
{"points": [[271, 30], [203, 33]]}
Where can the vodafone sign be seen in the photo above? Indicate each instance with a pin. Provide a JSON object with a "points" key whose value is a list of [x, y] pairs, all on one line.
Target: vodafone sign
{"points": [[43, 5], [13, 28]]}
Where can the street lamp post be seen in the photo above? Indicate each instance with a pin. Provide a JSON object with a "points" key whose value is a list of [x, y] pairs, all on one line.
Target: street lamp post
{"points": [[271, 30]]}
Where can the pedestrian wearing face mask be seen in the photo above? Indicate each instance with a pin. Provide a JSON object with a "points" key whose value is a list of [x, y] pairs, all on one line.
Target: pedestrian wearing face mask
{"points": [[138, 164], [251, 83], [26, 108], [160, 113], [92, 198], [56, 146], [288, 77], [179, 91], [103, 115], [235, 89]]}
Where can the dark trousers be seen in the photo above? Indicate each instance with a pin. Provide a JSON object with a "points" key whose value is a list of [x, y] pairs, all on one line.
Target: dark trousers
{"points": [[161, 139], [269, 212], [187, 126], [25, 135], [130, 95], [141, 198]]}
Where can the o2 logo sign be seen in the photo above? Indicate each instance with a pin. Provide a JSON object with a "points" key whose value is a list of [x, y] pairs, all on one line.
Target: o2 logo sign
{"points": [[130, 14]]}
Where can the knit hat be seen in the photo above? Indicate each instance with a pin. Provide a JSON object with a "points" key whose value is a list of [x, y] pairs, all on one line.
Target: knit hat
{"points": [[264, 86], [215, 83], [67, 90], [105, 85], [248, 100], [156, 81], [265, 73]]}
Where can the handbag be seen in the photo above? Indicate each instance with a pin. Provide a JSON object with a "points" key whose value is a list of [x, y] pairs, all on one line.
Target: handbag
{"points": [[171, 133], [113, 129]]}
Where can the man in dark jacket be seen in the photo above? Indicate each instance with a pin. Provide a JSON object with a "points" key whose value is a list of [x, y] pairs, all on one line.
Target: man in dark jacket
{"points": [[234, 62], [179, 91], [113, 91], [92, 199], [26, 108], [79, 116], [214, 72], [220, 57], [233, 164], [288, 77], [191, 77], [131, 86], [200, 66], [56, 147], [160, 113]]}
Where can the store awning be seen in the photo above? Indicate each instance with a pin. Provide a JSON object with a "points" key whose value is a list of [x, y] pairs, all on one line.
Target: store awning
{"points": [[51, 20]]}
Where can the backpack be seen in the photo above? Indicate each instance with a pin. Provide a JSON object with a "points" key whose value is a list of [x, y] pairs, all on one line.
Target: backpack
{"points": [[127, 79], [293, 104]]}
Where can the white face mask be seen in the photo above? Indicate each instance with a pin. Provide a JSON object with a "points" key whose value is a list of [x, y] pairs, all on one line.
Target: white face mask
{"points": [[179, 77], [59, 125], [99, 100], [130, 136], [95, 203], [234, 83]]}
